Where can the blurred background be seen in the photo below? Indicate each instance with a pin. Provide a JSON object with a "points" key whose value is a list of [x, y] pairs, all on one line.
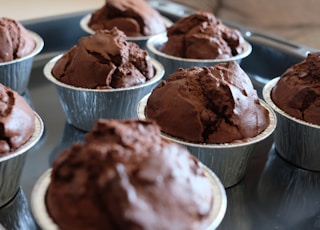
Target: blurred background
{"points": [[34, 9]]}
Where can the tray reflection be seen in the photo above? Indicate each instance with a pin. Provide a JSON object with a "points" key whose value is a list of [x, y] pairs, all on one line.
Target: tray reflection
{"points": [[17, 214], [288, 194], [69, 136]]}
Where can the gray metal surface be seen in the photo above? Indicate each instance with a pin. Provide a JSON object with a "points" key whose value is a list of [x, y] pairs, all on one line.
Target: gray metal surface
{"points": [[273, 193]]}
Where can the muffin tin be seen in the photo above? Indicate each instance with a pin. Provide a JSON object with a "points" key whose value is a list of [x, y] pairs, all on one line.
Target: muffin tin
{"points": [[273, 194]]}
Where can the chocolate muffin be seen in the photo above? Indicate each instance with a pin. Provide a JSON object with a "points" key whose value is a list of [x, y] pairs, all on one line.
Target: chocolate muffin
{"points": [[125, 176], [203, 36], [215, 104], [298, 90], [134, 17], [110, 62]]}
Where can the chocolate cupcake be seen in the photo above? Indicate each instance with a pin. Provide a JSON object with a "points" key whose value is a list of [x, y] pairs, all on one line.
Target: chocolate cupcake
{"points": [[20, 129], [136, 18], [126, 176], [215, 112], [295, 98], [199, 39], [19, 46], [107, 74]]}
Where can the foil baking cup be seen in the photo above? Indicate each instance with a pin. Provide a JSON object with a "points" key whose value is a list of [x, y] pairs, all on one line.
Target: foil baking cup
{"points": [[228, 161], [16, 73], [42, 217], [140, 40], [172, 63], [296, 140], [83, 107], [12, 164]]}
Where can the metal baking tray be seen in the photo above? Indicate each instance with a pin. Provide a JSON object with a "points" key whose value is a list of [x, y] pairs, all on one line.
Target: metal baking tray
{"points": [[273, 193]]}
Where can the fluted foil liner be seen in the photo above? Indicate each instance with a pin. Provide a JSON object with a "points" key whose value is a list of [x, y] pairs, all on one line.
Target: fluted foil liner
{"points": [[140, 40], [83, 107], [228, 161], [295, 140], [43, 219], [172, 63], [11, 165], [16, 73]]}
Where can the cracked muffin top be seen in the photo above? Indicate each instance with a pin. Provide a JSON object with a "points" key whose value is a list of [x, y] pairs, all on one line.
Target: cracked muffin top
{"points": [[203, 36], [104, 60], [298, 90], [215, 104]]}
